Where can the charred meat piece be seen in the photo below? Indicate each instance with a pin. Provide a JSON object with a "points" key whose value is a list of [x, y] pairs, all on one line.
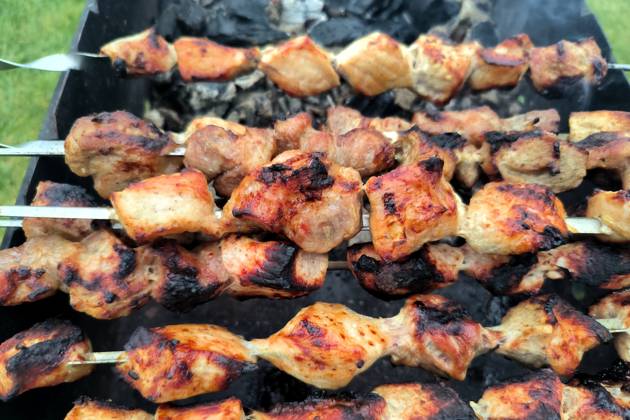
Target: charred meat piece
{"points": [[61, 195], [166, 205], [145, 53], [547, 331], [439, 68], [375, 64], [510, 219], [38, 357], [591, 402], [229, 409], [341, 120], [117, 149], [29, 272], [202, 59], [436, 334], [616, 308], [555, 67], [541, 119], [181, 361], [104, 277], [536, 157], [612, 208], [302, 348], [587, 123], [299, 67], [410, 206], [609, 151], [312, 201], [226, 156], [431, 267], [88, 409], [503, 65]]}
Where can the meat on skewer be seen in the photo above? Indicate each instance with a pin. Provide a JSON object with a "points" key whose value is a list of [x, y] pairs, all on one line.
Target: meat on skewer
{"points": [[613, 209], [181, 361], [616, 308]]}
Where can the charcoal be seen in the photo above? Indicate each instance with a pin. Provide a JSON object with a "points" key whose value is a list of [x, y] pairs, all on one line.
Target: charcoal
{"points": [[185, 17], [339, 31], [242, 23], [425, 14], [398, 27], [296, 13]]}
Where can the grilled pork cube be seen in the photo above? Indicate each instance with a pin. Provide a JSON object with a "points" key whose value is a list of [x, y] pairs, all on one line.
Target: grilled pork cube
{"points": [[88, 409], [438, 335], [542, 119], [181, 361], [166, 205], [288, 133], [302, 348], [616, 308], [503, 65], [471, 123], [272, 269], [507, 219], [590, 402], [200, 123], [60, 195], [226, 157], [340, 120], [431, 267], [145, 53], [202, 59], [554, 67], [312, 201], [29, 272], [415, 146], [609, 150], [104, 277], [230, 409], [612, 208], [536, 157], [300, 67], [375, 64], [117, 149], [38, 357], [587, 123], [547, 331], [410, 206], [440, 68]]}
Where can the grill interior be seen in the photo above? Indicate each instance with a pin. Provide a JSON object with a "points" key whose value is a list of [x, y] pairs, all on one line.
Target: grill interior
{"points": [[167, 99]]}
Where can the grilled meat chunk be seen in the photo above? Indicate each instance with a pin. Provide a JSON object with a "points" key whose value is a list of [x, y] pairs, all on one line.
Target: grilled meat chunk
{"points": [[144, 53], [415, 146], [88, 409], [547, 331], [299, 67], [541, 119], [536, 157], [585, 124], [609, 151], [226, 156], [612, 208], [117, 149], [510, 219], [341, 120], [181, 361], [202, 59], [503, 65], [104, 277], [554, 67], [375, 64], [61, 195], [38, 357], [616, 308], [229, 409], [29, 272], [410, 206], [312, 201], [166, 205], [439, 68]]}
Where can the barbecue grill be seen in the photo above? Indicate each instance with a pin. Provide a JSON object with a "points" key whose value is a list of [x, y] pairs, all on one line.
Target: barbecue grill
{"points": [[174, 103]]}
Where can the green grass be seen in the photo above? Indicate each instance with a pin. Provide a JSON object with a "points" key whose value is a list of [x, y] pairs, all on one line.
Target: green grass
{"points": [[32, 28]]}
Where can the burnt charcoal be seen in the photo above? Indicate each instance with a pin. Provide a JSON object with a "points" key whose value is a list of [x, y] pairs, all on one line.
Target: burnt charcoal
{"points": [[377, 106], [185, 17], [485, 33], [295, 14], [398, 27], [425, 14], [339, 31]]}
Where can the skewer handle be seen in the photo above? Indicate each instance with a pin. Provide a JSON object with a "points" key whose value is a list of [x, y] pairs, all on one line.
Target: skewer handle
{"points": [[618, 66]]}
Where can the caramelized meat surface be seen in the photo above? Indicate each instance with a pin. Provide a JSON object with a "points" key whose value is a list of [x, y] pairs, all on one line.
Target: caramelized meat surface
{"points": [[542, 119], [229, 409], [609, 151], [503, 65], [616, 309], [547, 331], [181, 361], [59, 195], [300, 67], [414, 146], [554, 67], [312, 201], [117, 149], [612, 208], [144, 53], [166, 205], [471, 123], [202, 59], [375, 64], [587, 123], [87, 409], [410, 206], [506, 219], [38, 357]]}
